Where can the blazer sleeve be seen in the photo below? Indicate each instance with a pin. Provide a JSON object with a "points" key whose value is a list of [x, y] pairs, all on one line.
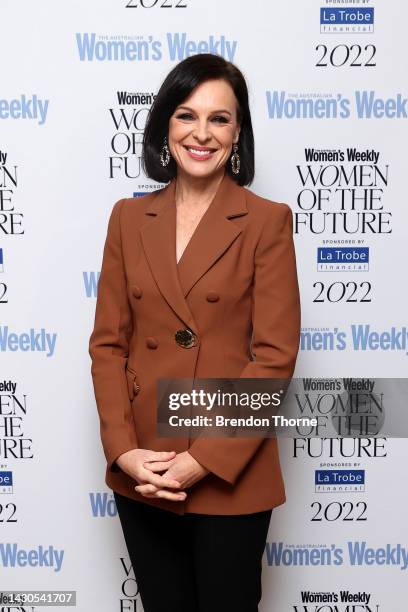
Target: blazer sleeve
{"points": [[275, 340], [108, 348]]}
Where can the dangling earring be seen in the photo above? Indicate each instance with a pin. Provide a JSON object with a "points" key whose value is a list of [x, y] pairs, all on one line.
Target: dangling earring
{"points": [[165, 153], [235, 160]]}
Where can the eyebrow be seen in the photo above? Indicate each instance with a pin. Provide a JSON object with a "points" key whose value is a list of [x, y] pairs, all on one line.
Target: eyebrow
{"points": [[221, 110]]}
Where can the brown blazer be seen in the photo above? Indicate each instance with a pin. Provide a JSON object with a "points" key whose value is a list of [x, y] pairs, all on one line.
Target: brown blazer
{"points": [[235, 282]]}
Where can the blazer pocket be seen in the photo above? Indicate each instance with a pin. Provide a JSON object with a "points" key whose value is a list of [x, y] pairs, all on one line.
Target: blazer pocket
{"points": [[132, 382]]}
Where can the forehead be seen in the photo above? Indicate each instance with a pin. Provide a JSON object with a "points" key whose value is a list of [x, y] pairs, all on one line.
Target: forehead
{"points": [[211, 94]]}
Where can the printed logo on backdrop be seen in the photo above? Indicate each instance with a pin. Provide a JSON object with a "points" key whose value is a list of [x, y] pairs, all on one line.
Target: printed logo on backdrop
{"points": [[3, 285], [13, 411], [343, 259], [341, 192], [352, 407], [91, 279], [327, 449], [24, 107], [129, 598], [357, 18], [173, 46], [128, 120], [14, 444], [356, 337], [139, 194], [340, 471], [31, 340], [151, 4], [339, 481], [102, 504], [14, 555], [362, 104], [346, 407], [336, 601], [347, 260], [6, 482], [346, 20], [11, 220], [353, 553], [342, 197]]}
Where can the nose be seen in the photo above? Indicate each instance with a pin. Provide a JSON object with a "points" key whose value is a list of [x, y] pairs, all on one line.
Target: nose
{"points": [[201, 130]]}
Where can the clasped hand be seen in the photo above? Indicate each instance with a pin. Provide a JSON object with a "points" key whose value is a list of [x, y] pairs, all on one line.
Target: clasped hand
{"points": [[180, 471]]}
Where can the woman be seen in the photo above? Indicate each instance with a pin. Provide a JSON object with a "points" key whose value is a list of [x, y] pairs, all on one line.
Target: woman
{"points": [[198, 280]]}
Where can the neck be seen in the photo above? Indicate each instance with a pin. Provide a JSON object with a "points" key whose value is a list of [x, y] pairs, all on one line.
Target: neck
{"points": [[196, 191]]}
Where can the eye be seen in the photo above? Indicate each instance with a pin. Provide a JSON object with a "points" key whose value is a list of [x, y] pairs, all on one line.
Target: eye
{"points": [[184, 116], [220, 119], [217, 119]]}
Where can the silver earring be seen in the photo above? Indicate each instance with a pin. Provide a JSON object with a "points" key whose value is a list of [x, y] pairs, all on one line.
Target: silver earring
{"points": [[235, 160], [165, 153]]}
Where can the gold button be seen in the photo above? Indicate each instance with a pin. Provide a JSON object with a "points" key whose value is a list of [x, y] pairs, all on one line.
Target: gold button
{"points": [[185, 338]]}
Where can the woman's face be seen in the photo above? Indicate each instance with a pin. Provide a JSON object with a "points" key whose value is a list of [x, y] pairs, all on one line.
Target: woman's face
{"points": [[203, 128]]}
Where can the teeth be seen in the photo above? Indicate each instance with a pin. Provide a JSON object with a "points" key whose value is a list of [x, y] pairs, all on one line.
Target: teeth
{"points": [[201, 152]]}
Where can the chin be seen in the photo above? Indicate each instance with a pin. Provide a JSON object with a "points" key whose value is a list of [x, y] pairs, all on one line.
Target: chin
{"points": [[201, 172]]}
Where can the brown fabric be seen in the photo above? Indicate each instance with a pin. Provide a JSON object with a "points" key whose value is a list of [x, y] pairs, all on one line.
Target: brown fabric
{"points": [[236, 282]]}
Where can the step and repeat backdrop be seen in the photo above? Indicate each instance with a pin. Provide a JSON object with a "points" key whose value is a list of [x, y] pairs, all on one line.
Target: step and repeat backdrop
{"points": [[328, 92]]}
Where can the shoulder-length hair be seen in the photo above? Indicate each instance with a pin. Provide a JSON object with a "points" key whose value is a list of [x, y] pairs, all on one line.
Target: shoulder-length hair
{"points": [[176, 87]]}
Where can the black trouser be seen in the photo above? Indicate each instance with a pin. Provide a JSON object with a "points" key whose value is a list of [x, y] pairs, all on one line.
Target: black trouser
{"points": [[194, 562]]}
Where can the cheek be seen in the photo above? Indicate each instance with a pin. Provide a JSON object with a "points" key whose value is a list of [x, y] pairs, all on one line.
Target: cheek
{"points": [[177, 131], [226, 137]]}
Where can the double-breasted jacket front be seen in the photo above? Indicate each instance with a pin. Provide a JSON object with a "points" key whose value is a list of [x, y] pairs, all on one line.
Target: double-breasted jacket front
{"points": [[235, 289]]}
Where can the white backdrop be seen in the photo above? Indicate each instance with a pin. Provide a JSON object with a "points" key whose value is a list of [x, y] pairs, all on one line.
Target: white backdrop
{"points": [[63, 157]]}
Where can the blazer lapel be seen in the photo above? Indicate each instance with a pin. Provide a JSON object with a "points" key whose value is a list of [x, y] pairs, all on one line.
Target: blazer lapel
{"points": [[214, 234], [212, 237]]}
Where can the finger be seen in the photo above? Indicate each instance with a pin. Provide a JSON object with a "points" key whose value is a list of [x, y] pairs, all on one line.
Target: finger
{"points": [[152, 491], [160, 455], [160, 481], [163, 494], [146, 488], [156, 466]]}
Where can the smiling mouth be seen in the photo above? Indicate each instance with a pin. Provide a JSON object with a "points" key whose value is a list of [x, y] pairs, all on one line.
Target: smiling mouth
{"points": [[204, 152]]}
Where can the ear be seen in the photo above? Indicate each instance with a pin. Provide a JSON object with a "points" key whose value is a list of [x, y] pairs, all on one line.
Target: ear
{"points": [[236, 134]]}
